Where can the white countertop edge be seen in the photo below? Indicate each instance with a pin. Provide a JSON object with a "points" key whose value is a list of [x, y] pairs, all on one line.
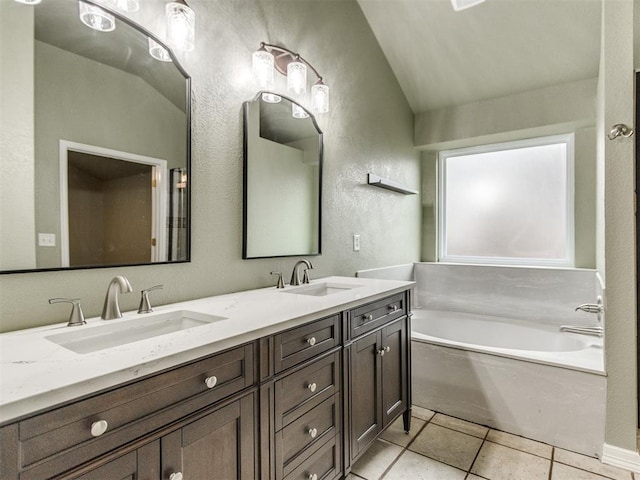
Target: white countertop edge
{"points": [[30, 385]]}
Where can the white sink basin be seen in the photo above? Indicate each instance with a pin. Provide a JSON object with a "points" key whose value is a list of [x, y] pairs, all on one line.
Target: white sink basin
{"points": [[321, 289], [87, 340]]}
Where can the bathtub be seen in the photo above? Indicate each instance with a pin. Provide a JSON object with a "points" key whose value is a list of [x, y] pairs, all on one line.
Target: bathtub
{"points": [[526, 378]]}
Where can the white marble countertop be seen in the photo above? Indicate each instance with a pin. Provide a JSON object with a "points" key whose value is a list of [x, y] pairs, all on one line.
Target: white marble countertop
{"points": [[36, 373]]}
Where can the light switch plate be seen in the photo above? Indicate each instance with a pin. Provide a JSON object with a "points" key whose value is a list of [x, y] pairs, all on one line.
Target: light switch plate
{"points": [[356, 243]]}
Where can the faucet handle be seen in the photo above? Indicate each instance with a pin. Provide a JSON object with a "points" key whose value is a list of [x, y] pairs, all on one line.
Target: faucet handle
{"points": [[305, 275], [145, 304], [280, 283], [77, 317]]}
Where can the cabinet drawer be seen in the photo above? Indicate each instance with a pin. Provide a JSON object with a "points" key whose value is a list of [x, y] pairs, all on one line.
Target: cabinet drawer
{"points": [[313, 427], [373, 315], [130, 411], [324, 463], [303, 343], [305, 388]]}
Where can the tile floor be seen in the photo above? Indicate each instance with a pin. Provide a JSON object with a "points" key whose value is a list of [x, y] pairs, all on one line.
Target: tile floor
{"points": [[439, 447]]}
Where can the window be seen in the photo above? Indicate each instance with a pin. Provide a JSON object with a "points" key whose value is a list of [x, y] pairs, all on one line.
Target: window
{"points": [[508, 203]]}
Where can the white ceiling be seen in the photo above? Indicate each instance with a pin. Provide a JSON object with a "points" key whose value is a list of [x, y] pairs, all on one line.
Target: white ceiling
{"points": [[500, 47]]}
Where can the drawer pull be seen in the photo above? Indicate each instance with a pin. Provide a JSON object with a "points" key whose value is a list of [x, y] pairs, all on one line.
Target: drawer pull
{"points": [[394, 308], [211, 382], [312, 476], [367, 317], [175, 476], [99, 427], [311, 341], [312, 387], [313, 432]]}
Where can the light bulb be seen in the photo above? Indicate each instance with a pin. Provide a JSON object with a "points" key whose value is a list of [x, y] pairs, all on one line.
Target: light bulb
{"points": [[96, 18], [180, 26], [271, 97], [297, 77], [262, 62], [125, 5], [320, 97], [298, 112], [158, 52]]}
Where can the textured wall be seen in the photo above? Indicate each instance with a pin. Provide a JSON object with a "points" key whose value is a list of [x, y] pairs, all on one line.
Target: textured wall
{"points": [[369, 128]]}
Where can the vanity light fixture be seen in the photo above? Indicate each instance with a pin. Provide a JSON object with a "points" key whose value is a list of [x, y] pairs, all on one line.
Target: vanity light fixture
{"points": [[95, 17], [464, 4], [29, 2], [298, 112], [271, 97], [158, 52], [125, 5], [180, 26], [294, 67]]}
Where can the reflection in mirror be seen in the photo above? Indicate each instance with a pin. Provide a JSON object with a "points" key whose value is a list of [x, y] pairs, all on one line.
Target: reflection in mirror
{"points": [[282, 178], [105, 133]]}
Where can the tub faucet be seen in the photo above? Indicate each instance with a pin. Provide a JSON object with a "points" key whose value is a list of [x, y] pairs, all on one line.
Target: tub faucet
{"points": [[111, 308], [295, 275], [594, 331]]}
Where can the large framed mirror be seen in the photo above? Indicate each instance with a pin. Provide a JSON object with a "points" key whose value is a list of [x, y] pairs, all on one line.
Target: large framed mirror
{"points": [[282, 179], [103, 157]]}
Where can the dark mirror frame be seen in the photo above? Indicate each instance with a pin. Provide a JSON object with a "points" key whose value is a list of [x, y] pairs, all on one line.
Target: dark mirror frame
{"points": [[187, 78], [245, 150]]}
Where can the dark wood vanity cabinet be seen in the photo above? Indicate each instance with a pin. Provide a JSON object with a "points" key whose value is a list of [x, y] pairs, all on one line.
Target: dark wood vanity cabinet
{"points": [[301, 404]]}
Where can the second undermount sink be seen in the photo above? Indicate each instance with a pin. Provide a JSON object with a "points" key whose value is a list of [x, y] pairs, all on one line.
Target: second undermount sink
{"points": [[87, 340], [322, 289]]}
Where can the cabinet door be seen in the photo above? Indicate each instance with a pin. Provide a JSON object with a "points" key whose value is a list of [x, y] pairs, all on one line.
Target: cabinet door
{"points": [[220, 445], [394, 371], [141, 464], [366, 395]]}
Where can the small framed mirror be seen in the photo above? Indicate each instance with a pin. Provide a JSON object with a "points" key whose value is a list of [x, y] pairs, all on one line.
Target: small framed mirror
{"points": [[282, 179]]}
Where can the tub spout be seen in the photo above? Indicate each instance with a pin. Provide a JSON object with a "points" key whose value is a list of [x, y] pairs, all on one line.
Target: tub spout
{"points": [[594, 331]]}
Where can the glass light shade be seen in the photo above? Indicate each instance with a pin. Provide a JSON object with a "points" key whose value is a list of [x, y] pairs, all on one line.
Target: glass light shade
{"points": [[297, 77], [463, 4], [298, 112], [271, 97], [29, 2], [158, 52], [96, 18], [125, 5], [320, 97], [263, 68], [180, 26]]}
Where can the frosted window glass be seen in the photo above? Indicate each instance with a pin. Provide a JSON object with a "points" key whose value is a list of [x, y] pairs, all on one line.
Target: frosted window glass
{"points": [[507, 204]]}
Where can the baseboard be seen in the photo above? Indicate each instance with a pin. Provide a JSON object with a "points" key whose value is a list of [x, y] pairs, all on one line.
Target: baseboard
{"points": [[620, 457]]}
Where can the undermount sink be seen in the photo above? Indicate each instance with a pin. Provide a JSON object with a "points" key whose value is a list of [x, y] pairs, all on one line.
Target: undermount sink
{"points": [[87, 340], [322, 289]]}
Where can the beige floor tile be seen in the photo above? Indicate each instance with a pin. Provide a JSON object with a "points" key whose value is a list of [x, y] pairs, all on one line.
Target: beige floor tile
{"points": [[421, 413], [395, 433], [474, 477], [590, 464], [565, 472], [416, 467], [460, 425], [520, 443], [498, 462], [376, 460], [447, 446]]}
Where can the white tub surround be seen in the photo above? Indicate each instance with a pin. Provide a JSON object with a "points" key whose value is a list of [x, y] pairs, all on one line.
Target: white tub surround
{"points": [[37, 373]]}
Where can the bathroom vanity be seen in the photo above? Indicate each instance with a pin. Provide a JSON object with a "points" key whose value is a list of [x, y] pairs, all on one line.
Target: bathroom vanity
{"points": [[293, 383]]}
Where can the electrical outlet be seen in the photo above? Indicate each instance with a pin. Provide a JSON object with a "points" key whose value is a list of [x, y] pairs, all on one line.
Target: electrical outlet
{"points": [[46, 239], [356, 243]]}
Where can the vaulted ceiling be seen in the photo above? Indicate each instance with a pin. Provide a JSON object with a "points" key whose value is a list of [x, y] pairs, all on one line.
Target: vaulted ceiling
{"points": [[443, 58]]}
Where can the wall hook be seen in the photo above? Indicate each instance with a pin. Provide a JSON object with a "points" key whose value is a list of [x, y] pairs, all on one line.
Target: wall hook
{"points": [[620, 130]]}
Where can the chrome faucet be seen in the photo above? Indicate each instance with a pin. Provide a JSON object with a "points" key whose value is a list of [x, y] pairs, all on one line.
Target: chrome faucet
{"points": [[111, 308], [596, 331], [295, 275]]}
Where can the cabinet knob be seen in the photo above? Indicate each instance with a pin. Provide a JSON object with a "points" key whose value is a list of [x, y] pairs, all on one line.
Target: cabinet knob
{"points": [[99, 427], [175, 476], [312, 387], [381, 352], [211, 382], [311, 341], [312, 476], [367, 317], [313, 432], [387, 349]]}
